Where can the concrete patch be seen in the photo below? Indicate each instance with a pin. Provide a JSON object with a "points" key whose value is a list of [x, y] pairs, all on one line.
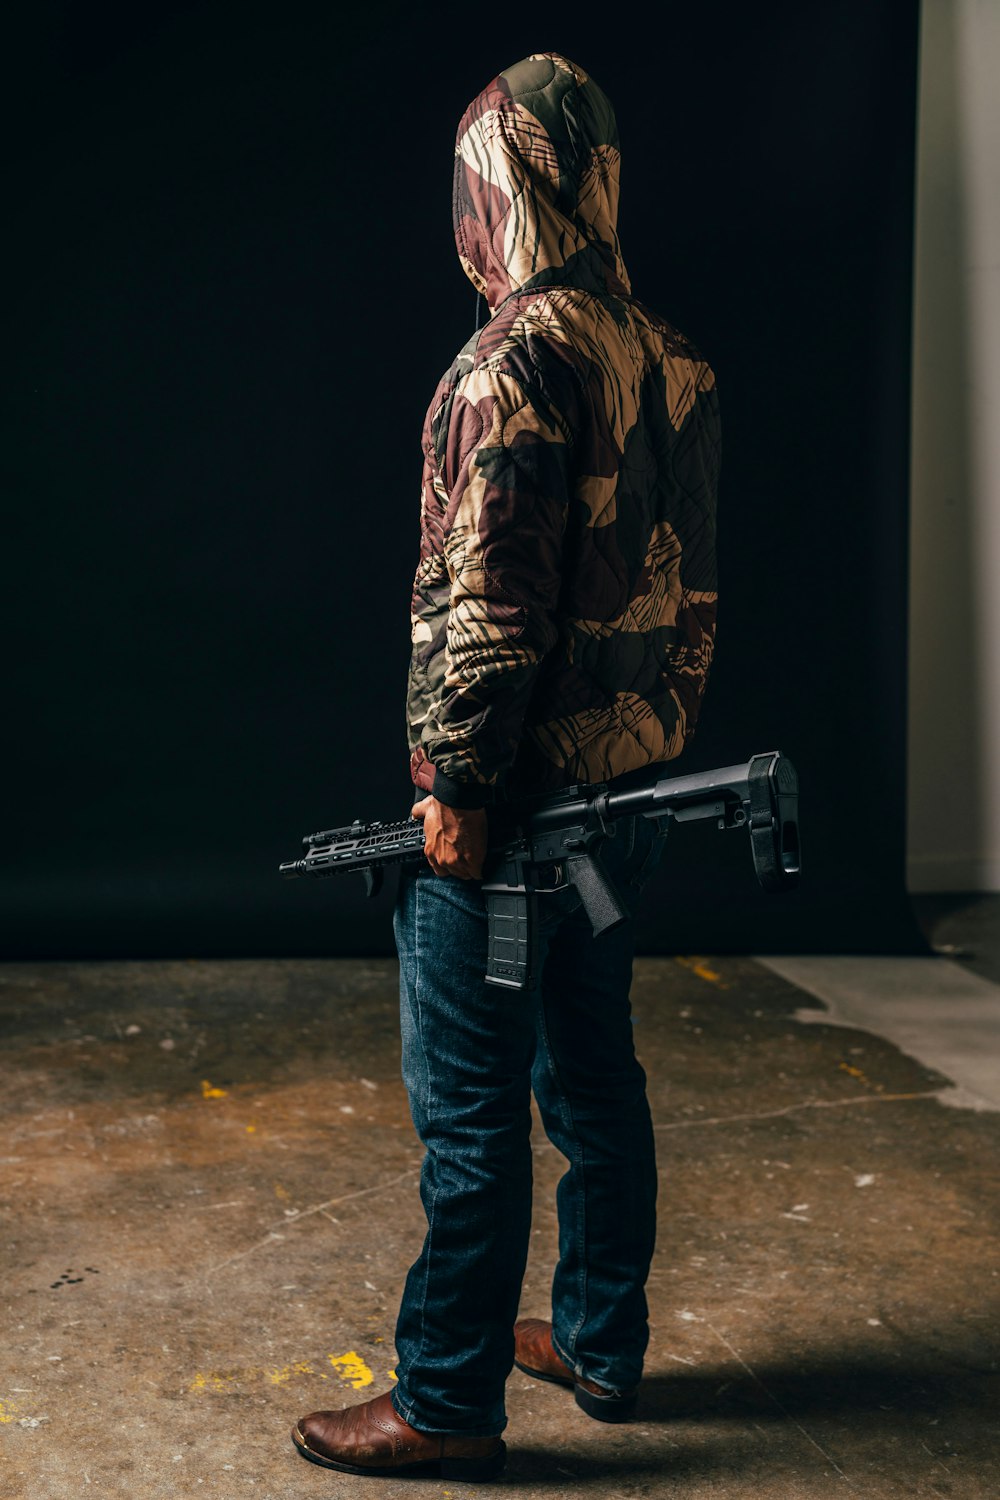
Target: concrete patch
{"points": [[932, 1009]]}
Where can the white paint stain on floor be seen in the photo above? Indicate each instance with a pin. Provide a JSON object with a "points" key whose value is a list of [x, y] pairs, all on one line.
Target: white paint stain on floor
{"points": [[932, 1009]]}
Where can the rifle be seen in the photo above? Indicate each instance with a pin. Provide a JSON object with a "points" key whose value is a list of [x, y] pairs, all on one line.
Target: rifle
{"points": [[544, 844]]}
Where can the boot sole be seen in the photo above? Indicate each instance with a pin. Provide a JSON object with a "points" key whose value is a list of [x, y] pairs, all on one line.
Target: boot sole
{"points": [[605, 1408], [468, 1470], [541, 1375]]}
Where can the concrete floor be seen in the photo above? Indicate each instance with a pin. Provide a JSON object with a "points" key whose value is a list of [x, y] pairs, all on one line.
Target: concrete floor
{"points": [[208, 1178]]}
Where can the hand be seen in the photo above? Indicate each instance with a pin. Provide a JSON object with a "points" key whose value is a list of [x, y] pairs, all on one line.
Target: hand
{"points": [[454, 838]]}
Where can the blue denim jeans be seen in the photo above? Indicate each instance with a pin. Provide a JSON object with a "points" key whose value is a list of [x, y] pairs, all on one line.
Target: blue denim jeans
{"points": [[472, 1053]]}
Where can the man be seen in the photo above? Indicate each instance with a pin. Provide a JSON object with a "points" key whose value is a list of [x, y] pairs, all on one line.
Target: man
{"points": [[563, 623]]}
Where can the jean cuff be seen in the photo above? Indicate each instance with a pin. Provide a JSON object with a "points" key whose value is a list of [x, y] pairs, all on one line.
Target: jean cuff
{"points": [[581, 1374], [411, 1414]]}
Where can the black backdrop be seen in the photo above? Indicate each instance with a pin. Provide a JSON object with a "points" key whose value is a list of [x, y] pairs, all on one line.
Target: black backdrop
{"points": [[234, 287]]}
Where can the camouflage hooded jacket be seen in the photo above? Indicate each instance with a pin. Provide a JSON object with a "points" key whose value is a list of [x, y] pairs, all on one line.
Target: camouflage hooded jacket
{"points": [[563, 610]]}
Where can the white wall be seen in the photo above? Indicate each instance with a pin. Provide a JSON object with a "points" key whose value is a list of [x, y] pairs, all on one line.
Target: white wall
{"points": [[954, 719]]}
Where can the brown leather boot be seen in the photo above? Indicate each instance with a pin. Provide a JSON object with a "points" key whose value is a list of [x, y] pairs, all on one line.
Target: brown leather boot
{"points": [[373, 1439], [535, 1354]]}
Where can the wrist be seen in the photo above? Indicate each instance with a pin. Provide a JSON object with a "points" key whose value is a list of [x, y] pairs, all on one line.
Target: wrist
{"points": [[463, 796]]}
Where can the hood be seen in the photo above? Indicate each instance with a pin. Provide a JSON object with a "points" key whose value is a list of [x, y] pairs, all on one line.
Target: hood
{"points": [[535, 196]]}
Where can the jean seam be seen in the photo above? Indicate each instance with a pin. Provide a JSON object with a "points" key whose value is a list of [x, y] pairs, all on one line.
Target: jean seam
{"points": [[426, 1109], [580, 1228]]}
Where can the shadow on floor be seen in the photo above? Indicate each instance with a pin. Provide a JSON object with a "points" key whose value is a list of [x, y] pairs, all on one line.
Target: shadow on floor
{"points": [[835, 1386], [964, 926], [704, 1419]]}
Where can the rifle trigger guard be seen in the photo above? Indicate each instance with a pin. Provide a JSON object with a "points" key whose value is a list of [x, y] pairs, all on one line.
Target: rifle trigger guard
{"points": [[557, 872]]}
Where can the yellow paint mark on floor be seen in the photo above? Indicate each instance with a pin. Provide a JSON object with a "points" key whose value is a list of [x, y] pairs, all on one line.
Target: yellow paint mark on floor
{"points": [[393, 1375], [282, 1193], [284, 1375], [8, 1412], [214, 1380], [352, 1369], [857, 1073], [700, 966], [208, 1092], [251, 1130]]}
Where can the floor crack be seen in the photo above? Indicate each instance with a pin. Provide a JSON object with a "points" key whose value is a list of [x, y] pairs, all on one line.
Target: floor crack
{"points": [[789, 1109], [781, 1407], [290, 1221]]}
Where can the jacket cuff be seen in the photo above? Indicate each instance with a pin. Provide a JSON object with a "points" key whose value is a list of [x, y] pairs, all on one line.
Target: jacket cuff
{"points": [[421, 771], [461, 794]]}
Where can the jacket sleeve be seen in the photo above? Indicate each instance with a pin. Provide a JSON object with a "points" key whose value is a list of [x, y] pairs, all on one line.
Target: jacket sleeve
{"points": [[505, 468]]}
